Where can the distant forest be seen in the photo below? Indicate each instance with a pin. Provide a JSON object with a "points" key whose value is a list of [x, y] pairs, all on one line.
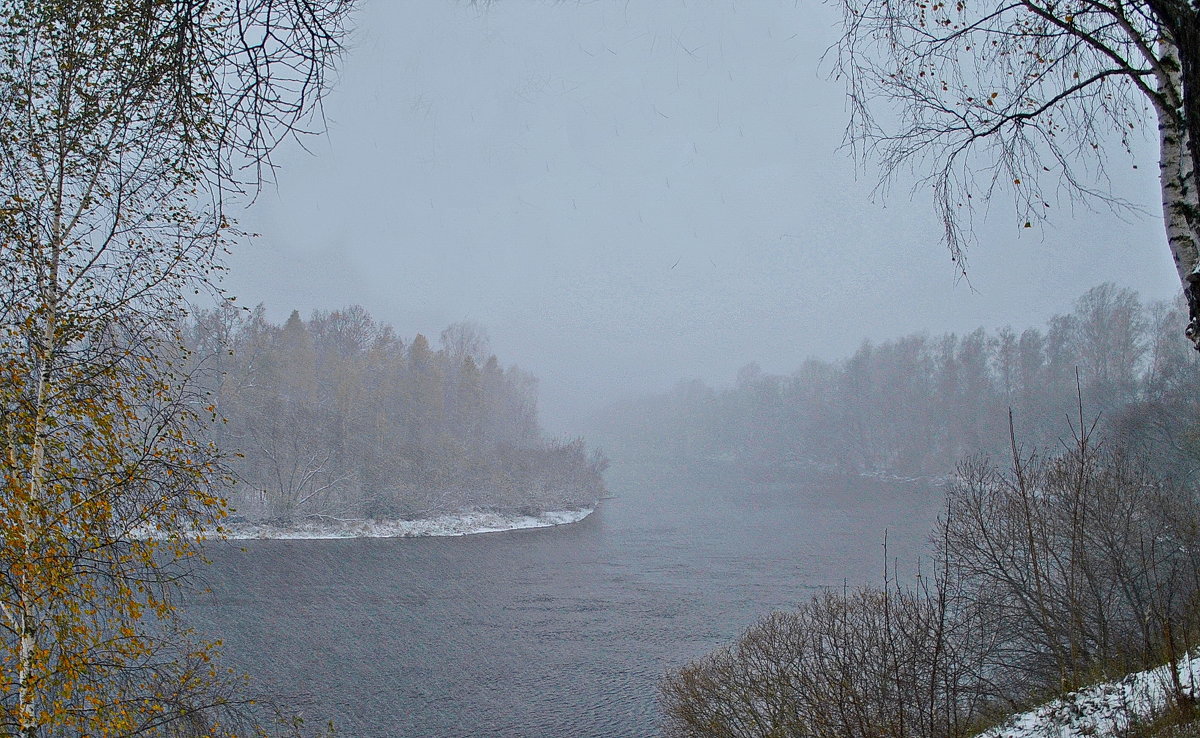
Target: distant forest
{"points": [[337, 417], [916, 405]]}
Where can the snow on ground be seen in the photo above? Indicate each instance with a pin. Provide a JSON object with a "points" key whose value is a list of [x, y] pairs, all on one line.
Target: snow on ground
{"points": [[455, 524], [1104, 709]]}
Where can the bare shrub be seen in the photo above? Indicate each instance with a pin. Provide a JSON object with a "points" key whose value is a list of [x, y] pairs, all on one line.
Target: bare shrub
{"points": [[1054, 572], [1087, 562], [871, 663]]}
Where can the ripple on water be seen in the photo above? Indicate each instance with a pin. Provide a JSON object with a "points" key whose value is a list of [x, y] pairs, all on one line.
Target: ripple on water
{"points": [[553, 632]]}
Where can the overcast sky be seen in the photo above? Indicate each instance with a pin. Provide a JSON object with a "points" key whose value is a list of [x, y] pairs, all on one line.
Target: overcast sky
{"points": [[630, 193]]}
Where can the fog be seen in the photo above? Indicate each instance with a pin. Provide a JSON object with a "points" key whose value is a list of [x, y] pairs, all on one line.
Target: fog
{"points": [[573, 376], [626, 194]]}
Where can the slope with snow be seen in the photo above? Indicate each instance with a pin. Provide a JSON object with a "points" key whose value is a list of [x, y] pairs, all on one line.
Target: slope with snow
{"points": [[1106, 709]]}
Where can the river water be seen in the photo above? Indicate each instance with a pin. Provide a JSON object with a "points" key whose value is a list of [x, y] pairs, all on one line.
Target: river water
{"points": [[552, 632]]}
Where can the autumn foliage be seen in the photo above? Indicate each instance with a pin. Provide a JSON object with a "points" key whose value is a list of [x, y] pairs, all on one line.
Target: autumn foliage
{"points": [[122, 126]]}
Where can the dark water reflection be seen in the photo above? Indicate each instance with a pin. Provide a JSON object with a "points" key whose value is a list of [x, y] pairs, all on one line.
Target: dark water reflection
{"points": [[552, 632]]}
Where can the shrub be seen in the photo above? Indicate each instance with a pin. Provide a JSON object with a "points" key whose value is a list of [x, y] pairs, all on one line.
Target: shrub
{"points": [[1087, 562], [1053, 572], [868, 664]]}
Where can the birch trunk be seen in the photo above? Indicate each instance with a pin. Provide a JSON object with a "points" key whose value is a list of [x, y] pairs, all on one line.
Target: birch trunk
{"points": [[46, 355], [28, 615], [1177, 176]]}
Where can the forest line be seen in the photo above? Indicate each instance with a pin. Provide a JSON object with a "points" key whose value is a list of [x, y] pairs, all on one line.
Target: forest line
{"points": [[915, 405], [336, 417]]}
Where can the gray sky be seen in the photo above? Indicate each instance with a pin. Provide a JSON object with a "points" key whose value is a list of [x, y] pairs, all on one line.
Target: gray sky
{"points": [[626, 194]]}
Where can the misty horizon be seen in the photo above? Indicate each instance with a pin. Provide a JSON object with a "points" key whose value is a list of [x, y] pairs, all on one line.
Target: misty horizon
{"points": [[629, 196]]}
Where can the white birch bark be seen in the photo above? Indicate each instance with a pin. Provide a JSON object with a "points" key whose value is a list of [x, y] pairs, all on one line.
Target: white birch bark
{"points": [[1180, 200]]}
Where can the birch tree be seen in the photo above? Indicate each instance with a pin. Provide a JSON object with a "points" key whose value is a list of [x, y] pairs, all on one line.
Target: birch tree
{"points": [[125, 126], [979, 96]]}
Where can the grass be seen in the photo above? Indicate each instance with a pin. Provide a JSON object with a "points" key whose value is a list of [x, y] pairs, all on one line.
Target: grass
{"points": [[1181, 720]]}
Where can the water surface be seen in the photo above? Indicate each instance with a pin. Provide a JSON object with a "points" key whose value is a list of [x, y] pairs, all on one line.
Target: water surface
{"points": [[553, 632]]}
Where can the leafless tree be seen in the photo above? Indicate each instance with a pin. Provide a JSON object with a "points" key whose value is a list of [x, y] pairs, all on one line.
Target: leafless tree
{"points": [[1051, 571], [1085, 560], [1027, 95]]}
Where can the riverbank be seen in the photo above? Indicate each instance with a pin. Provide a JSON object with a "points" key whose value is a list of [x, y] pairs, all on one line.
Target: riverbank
{"points": [[1114, 708], [455, 524]]}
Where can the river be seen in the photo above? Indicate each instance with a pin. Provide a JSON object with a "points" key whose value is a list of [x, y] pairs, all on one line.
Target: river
{"points": [[551, 632]]}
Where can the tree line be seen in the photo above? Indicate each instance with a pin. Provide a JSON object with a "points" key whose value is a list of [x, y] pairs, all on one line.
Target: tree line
{"points": [[337, 417], [916, 404]]}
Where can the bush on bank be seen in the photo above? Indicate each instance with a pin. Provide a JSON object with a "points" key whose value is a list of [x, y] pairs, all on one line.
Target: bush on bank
{"points": [[1051, 571]]}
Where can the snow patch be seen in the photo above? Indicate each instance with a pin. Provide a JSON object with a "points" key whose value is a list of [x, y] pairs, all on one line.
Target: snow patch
{"points": [[1105, 709], [454, 524]]}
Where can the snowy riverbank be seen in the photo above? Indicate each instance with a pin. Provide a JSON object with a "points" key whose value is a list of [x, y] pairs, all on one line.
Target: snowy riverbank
{"points": [[1108, 709], [456, 524]]}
